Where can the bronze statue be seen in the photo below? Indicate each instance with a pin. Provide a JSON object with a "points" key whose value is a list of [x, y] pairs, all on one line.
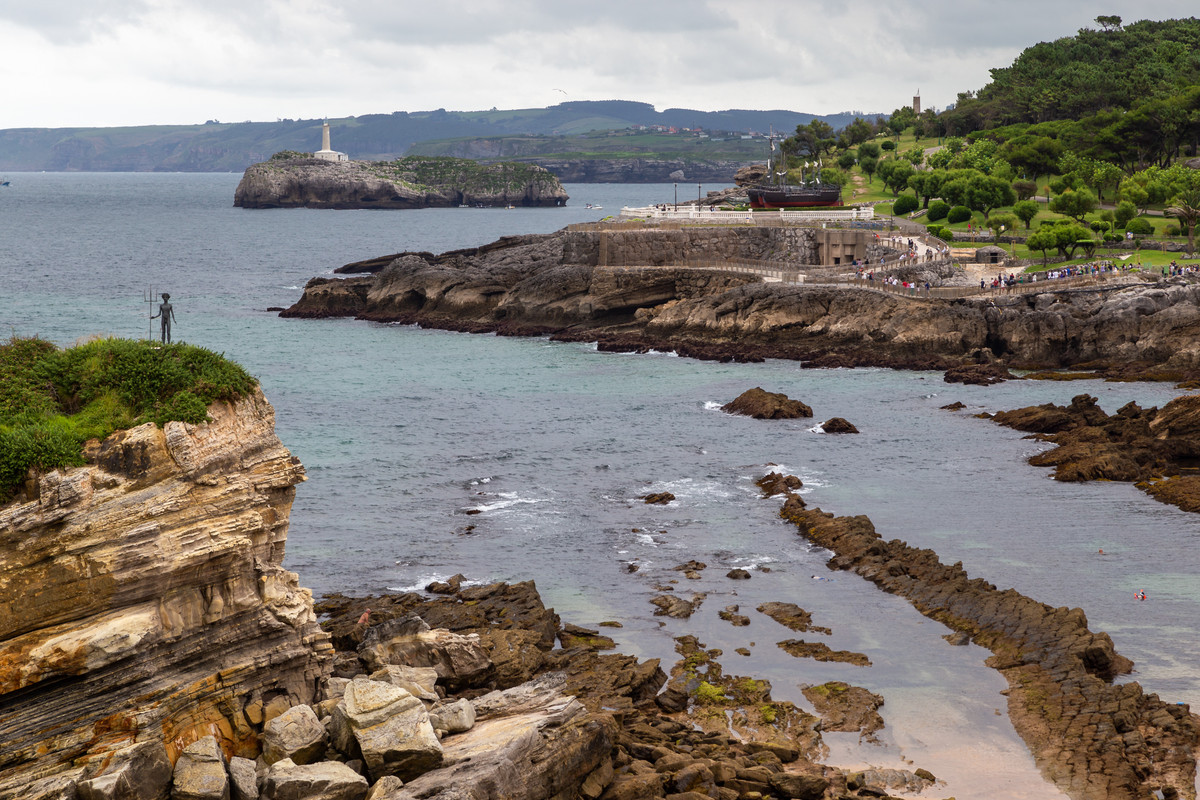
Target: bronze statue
{"points": [[168, 315]]}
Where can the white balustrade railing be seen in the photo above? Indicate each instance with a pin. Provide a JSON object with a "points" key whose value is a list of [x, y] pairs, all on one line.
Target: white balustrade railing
{"points": [[717, 216]]}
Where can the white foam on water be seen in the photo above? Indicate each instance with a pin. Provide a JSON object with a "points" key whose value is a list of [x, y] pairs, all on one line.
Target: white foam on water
{"points": [[424, 580]]}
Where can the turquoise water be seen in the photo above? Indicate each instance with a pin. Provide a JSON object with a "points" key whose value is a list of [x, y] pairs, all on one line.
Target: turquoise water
{"points": [[404, 431]]}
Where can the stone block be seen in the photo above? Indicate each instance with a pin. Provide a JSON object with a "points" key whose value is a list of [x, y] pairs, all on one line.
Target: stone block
{"points": [[417, 681], [139, 772], [391, 729], [296, 734], [325, 780], [200, 772], [453, 717], [243, 779]]}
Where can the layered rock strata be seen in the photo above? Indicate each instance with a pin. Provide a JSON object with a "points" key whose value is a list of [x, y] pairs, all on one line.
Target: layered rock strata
{"points": [[1094, 739], [413, 182], [142, 599], [563, 285]]}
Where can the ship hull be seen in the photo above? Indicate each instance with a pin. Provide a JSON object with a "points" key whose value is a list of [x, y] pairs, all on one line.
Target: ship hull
{"points": [[795, 196]]}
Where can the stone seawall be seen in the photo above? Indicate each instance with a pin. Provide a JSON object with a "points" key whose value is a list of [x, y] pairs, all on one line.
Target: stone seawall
{"points": [[659, 247], [142, 598]]}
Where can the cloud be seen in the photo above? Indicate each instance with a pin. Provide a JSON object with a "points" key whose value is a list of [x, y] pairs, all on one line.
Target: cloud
{"points": [[113, 62]]}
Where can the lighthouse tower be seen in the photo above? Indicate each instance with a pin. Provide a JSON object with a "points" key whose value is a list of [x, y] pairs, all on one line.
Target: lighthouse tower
{"points": [[325, 153]]}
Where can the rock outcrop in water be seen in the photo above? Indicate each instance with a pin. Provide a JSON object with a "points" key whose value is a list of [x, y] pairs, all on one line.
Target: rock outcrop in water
{"points": [[1094, 739], [558, 284], [1154, 448], [143, 605], [412, 182]]}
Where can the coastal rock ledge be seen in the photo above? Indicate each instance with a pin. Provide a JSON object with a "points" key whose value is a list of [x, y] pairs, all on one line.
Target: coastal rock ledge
{"points": [[293, 180], [143, 605]]}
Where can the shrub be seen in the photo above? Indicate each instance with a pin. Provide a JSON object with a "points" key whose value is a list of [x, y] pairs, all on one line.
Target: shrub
{"points": [[905, 204], [938, 209], [887, 144], [1171, 230], [958, 214], [1024, 189], [1140, 226], [941, 232]]}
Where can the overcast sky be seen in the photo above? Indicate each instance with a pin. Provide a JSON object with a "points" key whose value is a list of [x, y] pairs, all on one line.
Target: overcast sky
{"points": [[135, 62]]}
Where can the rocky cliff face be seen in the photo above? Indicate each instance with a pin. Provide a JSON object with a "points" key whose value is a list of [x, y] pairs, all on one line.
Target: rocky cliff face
{"points": [[555, 284], [142, 598], [413, 182]]}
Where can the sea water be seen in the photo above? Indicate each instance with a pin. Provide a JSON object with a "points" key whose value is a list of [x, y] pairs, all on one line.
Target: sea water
{"points": [[432, 453]]}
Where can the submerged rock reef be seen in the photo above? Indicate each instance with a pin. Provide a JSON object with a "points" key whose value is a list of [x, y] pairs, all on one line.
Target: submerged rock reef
{"points": [[1094, 739], [412, 182], [664, 297]]}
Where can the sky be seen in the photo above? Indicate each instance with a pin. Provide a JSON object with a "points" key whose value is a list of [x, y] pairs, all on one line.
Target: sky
{"points": [[83, 63]]}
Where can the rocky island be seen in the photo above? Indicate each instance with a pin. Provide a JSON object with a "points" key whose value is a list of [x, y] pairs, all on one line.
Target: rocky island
{"points": [[298, 180]]}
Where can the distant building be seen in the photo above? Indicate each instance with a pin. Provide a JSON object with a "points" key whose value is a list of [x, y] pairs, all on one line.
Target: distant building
{"points": [[325, 154], [917, 104]]}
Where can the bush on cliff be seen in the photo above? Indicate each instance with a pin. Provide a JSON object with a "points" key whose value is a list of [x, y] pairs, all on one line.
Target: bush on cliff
{"points": [[52, 401]]}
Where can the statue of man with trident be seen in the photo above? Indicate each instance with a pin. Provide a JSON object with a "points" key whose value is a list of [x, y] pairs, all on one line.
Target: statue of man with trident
{"points": [[168, 316]]}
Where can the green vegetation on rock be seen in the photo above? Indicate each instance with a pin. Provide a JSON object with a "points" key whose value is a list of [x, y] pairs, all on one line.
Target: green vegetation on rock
{"points": [[470, 177], [52, 401]]}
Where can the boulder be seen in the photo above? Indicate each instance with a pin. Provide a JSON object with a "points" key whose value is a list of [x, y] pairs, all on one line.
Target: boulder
{"points": [[460, 661], [843, 707], [774, 483], [384, 787], [540, 754], [838, 425], [200, 772], [670, 605], [799, 787], [729, 614], [761, 404], [141, 771], [390, 727], [791, 616], [325, 780], [296, 734], [738, 575], [822, 652], [978, 374], [454, 717], [417, 681], [657, 498], [243, 779]]}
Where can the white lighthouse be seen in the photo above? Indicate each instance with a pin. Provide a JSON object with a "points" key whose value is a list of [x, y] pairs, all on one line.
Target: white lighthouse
{"points": [[326, 154]]}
